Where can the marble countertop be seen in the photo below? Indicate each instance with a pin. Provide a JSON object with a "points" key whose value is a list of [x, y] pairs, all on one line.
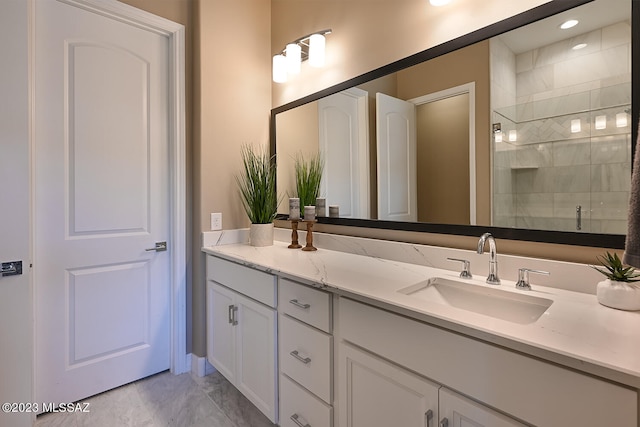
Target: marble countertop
{"points": [[576, 331]]}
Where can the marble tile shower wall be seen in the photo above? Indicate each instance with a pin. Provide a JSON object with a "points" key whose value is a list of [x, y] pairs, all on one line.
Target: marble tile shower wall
{"points": [[540, 179]]}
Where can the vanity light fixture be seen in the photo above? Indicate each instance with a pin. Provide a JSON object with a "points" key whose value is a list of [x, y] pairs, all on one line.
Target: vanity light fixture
{"points": [[293, 54], [601, 122], [279, 69], [569, 24], [439, 2], [621, 120], [289, 60], [497, 132], [575, 126]]}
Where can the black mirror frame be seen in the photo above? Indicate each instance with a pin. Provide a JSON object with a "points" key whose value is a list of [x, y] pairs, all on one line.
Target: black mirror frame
{"points": [[546, 10]]}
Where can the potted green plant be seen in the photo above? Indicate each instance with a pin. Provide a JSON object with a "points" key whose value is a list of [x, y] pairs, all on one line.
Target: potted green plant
{"points": [[308, 178], [257, 184], [618, 289]]}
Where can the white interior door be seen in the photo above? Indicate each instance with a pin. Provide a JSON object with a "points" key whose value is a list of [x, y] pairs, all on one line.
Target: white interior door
{"points": [[101, 182], [397, 151], [344, 143]]}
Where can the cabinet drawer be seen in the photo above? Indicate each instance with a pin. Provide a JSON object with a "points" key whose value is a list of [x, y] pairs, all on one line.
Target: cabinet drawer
{"points": [[298, 403], [255, 284], [306, 304], [305, 356]]}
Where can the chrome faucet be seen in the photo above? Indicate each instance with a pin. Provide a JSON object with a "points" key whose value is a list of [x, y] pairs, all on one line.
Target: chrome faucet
{"points": [[492, 279]]}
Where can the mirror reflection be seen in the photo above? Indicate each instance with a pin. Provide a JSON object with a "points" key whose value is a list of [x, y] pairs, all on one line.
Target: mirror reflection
{"points": [[530, 129]]}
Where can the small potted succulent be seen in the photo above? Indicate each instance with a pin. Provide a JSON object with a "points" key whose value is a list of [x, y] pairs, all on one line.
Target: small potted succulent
{"points": [[257, 185], [618, 290]]}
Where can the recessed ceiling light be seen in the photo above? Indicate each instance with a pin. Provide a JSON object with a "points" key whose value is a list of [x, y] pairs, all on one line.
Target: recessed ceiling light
{"points": [[579, 46], [569, 24], [439, 2]]}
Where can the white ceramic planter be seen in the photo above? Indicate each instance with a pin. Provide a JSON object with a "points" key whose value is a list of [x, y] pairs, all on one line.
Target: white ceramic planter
{"points": [[261, 234], [620, 295]]}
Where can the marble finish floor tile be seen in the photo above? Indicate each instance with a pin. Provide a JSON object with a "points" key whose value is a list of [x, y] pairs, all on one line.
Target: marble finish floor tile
{"points": [[165, 400]]}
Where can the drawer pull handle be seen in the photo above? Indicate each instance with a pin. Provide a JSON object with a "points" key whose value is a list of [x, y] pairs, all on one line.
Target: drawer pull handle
{"points": [[295, 419], [304, 360], [429, 417], [298, 304], [232, 315]]}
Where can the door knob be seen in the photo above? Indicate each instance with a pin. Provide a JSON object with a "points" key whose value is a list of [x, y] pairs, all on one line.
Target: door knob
{"points": [[160, 247]]}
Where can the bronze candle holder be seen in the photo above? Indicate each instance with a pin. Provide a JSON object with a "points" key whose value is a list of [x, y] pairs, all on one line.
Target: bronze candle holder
{"points": [[310, 246], [294, 234]]}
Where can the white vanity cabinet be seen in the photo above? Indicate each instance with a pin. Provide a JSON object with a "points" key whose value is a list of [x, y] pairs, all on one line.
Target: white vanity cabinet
{"points": [[375, 392], [512, 383], [241, 330], [305, 348]]}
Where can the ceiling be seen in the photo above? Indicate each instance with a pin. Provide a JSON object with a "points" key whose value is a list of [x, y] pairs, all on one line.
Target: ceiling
{"points": [[592, 16]]}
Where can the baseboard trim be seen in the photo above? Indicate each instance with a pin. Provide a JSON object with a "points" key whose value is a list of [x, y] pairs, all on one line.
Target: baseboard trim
{"points": [[200, 366]]}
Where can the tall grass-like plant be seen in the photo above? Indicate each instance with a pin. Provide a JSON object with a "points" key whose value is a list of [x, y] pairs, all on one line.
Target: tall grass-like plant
{"points": [[308, 177], [257, 185]]}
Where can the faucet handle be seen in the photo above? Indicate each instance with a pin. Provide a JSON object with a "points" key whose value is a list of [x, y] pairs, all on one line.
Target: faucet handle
{"points": [[523, 277], [466, 267]]}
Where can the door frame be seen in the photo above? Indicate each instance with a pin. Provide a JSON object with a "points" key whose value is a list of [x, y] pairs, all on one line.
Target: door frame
{"points": [[467, 88], [175, 34]]}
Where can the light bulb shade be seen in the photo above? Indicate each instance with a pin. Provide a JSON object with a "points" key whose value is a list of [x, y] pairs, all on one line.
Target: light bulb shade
{"points": [[498, 136], [513, 136], [293, 52], [316, 50], [575, 126], [279, 69], [621, 120], [601, 122]]}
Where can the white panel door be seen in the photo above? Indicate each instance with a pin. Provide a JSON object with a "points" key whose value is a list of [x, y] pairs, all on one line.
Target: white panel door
{"points": [[101, 199], [344, 144], [376, 393], [397, 151], [256, 354], [221, 338], [461, 412]]}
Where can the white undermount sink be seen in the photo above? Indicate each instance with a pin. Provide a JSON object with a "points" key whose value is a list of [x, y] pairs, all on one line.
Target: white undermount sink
{"points": [[493, 302]]}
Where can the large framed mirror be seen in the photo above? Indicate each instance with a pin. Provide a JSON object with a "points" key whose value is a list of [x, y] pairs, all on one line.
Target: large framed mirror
{"points": [[521, 128]]}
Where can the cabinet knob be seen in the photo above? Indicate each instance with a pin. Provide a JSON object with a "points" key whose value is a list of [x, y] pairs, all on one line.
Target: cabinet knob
{"points": [[296, 419]]}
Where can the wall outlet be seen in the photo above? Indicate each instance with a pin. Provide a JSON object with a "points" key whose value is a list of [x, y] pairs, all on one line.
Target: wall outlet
{"points": [[216, 221]]}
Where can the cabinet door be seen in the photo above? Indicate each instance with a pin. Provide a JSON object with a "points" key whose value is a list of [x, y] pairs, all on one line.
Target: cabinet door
{"points": [[376, 393], [461, 412], [220, 331], [255, 345]]}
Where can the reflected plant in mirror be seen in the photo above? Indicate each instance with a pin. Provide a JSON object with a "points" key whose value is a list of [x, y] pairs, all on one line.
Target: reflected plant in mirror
{"points": [[525, 129], [308, 177]]}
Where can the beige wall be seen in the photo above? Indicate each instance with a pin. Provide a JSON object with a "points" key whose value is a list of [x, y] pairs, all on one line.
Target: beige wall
{"points": [[228, 104], [297, 125], [467, 65], [388, 31], [370, 33]]}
